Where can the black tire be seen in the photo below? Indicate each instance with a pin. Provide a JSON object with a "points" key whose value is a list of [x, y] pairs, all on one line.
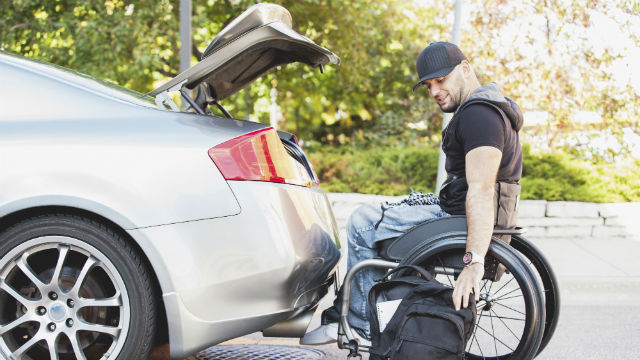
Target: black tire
{"points": [[551, 290], [46, 314], [522, 301]]}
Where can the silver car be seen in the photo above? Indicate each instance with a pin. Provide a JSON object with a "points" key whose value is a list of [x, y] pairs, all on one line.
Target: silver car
{"points": [[125, 224]]}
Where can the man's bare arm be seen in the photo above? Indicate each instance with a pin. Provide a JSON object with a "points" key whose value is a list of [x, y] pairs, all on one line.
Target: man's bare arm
{"points": [[481, 166]]}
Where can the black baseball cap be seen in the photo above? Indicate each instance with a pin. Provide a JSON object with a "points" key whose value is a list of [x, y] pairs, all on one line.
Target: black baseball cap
{"points": [[437, 60]]}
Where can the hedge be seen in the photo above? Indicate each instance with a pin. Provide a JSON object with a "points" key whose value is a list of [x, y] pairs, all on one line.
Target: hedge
{"points": [[394, 171]]}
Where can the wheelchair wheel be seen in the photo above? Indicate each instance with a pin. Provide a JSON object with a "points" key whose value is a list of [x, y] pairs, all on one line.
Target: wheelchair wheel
{"points": [[551, 291], [510, 313]]}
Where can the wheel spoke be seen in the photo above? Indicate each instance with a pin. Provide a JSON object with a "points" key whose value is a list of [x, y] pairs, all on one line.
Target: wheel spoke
{"points": [[490, 286], [492, 313], [511, 297], [493, 331], [28, 271], [484, 285], [494, 338], [26, 346], [510, 308], [113, 331], [475, 329], [14, 294], [88, 265], [15, 323], [448, 277], [63, 250], [505, 284], [53, 353], [480, 348], [76, 348], [115, 300], [509, 293], [508, 317]]}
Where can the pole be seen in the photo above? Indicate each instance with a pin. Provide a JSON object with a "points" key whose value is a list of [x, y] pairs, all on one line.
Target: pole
{"points": [[185, 35], [455, 38], [273, 107]]}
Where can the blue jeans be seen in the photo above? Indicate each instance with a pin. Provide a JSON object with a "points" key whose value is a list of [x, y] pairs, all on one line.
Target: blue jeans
{"points": [[362, 237]]}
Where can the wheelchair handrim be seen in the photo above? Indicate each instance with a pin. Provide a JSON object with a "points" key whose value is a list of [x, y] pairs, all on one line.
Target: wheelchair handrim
{"points": [[534, 318]]}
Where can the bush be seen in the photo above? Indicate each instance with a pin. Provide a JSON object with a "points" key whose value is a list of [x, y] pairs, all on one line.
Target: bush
{"points": [[558, 176], [394, 171], [384, 171]]}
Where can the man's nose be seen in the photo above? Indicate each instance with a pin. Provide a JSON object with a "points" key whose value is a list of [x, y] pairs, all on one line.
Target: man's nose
{"points": [[434, 90]]}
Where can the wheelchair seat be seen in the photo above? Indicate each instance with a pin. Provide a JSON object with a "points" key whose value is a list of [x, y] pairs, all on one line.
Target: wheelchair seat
{"points": [[396, 249]]}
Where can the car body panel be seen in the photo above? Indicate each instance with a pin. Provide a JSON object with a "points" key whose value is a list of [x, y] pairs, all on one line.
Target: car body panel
{"points": [[63, 92], [94, 161], [264, 263], [131, 176], [190, 334]]}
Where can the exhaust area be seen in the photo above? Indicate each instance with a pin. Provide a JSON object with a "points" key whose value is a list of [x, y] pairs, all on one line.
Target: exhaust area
{"points": [[295, 327]]}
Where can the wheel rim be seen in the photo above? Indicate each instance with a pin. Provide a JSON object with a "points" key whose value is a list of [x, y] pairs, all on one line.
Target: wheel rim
{"points": [[507, 322], [62, 298], [551, 291], [501, 317]]}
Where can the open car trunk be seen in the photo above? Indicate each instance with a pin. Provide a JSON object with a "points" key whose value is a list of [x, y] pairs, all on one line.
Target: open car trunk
{"points": [[258, 40]]}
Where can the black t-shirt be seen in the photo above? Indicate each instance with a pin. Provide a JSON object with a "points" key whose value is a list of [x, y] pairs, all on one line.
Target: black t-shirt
{"points": [[477, 124]]}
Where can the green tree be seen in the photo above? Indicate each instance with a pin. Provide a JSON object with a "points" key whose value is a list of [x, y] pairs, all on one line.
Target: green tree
{"points": [[562, 57], [132, 44]]}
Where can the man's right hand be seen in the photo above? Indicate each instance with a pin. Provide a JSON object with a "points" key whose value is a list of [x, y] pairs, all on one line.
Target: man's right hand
{"points": [[468, 282]]}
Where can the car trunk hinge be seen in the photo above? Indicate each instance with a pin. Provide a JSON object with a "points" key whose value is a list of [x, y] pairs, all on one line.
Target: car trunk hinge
{"points": [[224, 111], [193, 104]]}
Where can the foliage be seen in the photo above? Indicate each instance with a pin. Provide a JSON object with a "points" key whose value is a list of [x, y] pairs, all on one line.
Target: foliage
{"points": [[558, 176], [393, 171], [567, 58], [379, 170], [546, 53], [131, 44]]}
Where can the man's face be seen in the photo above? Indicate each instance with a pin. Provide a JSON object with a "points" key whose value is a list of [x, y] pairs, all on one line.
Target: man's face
{"points": [[448, 90]]}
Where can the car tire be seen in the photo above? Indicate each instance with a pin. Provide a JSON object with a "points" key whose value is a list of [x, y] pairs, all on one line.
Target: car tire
{"points": [[45, 312]]}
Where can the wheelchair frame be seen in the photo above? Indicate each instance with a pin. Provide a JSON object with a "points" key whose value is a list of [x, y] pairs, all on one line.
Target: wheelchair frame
{"points": [[430, 233]]}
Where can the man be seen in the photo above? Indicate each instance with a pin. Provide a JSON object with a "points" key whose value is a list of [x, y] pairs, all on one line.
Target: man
{"points": [[484, 165]]}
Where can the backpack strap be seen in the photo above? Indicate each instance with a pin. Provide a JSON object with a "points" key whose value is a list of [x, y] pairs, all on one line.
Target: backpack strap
{"points": [[424, 273]]}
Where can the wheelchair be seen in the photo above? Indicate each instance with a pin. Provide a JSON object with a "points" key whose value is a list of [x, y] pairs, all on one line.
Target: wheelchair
{"points": [[519, 302]]}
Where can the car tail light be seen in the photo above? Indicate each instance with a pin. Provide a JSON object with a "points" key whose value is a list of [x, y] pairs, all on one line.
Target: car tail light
{"points": [[258, 156]]}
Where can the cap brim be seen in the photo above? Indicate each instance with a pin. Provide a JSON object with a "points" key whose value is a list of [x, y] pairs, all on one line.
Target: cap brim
{"points": [[433, 75]]}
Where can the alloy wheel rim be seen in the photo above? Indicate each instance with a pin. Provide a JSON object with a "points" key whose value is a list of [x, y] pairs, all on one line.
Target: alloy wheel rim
{"points": [[63, 297]]}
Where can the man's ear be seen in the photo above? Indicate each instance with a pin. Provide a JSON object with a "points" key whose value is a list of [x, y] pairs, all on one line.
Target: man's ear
{"points": [[466, 68]]}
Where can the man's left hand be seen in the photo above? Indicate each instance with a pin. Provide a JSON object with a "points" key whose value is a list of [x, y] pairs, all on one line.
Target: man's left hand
{"points": [[468, 282]]}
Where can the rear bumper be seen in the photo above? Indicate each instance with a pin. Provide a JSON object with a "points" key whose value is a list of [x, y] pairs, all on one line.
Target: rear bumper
{"points": [[234, 275]]}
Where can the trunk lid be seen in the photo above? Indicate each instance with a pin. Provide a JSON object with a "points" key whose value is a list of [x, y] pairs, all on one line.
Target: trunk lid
{"points": [[258, 40]]}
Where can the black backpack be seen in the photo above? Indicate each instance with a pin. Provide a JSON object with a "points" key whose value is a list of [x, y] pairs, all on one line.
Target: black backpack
{"points": [[425, 324]]}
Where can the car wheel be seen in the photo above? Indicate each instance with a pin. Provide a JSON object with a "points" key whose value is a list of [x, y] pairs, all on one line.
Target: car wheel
{"points": [[71, 288]]}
